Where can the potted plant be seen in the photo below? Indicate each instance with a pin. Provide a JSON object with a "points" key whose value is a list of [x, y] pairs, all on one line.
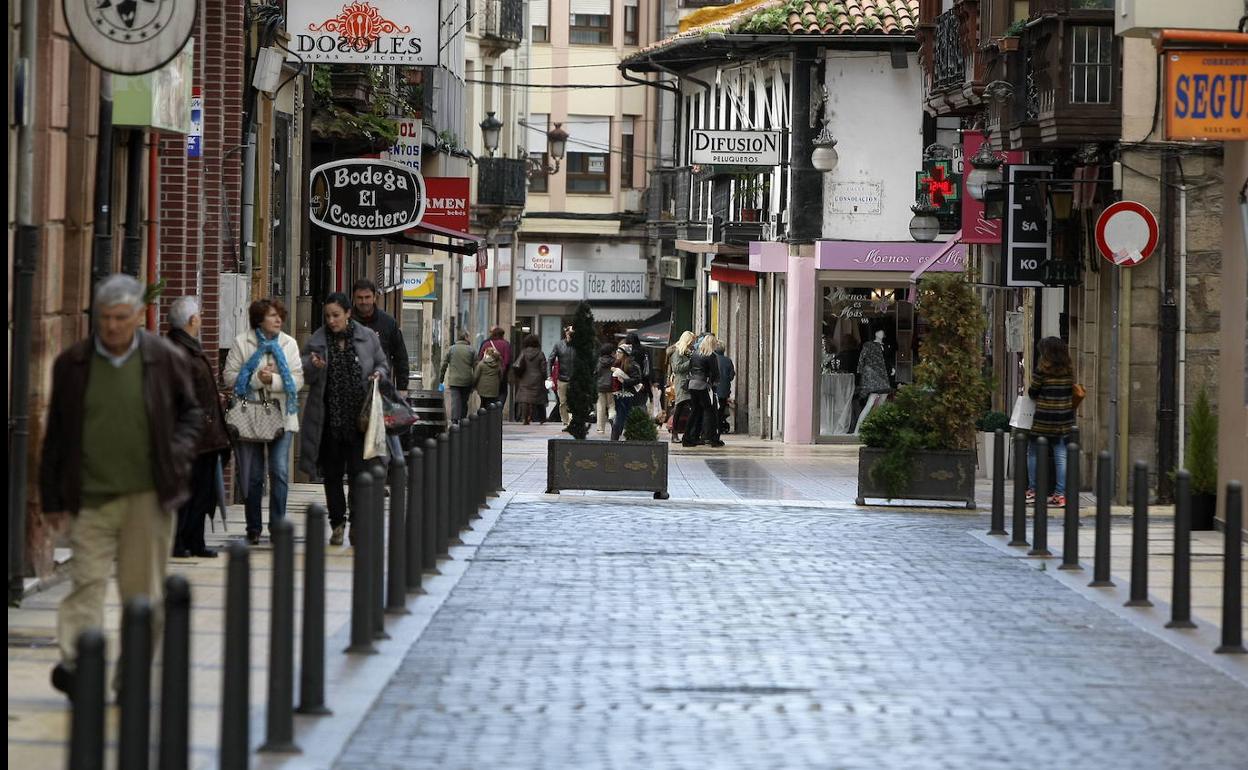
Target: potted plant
{"points": [[748, 195], [1013, 36], [1201, 460], [639, 463], [986, 428], [921, 445]]}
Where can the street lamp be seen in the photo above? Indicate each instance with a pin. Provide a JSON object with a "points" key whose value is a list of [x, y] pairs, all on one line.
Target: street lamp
{"points": [[824, 157], [924, 226], [985, 172], [556, 146], [490, 128]]}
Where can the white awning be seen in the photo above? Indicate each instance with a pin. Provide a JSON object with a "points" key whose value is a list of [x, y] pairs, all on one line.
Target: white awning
{"points": [[589, 133], [590, 7], [613, 314], [539, 13]]}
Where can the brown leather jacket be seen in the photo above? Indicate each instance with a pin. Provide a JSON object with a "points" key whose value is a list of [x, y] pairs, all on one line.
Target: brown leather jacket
{"points": [[172, 411], [213, 437]]}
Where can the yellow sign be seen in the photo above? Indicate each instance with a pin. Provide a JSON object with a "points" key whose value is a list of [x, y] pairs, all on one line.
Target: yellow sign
{"points": [[420, 285], [1206, 93]]}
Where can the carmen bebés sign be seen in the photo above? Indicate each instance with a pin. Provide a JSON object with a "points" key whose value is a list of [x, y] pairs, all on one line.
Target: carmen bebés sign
{"points": [[741, 148], [366, 197], [364, 32]]}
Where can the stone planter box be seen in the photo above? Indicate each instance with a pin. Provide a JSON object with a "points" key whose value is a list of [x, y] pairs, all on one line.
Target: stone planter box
{"points": [[610, 466], [985, 446], [948, 475]]}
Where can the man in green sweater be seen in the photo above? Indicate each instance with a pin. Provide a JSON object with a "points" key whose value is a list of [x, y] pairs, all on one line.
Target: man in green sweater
{"points": [[117, 451]]}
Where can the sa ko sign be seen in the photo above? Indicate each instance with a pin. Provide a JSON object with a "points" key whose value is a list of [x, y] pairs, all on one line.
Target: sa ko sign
{"points": [[1126, 233], [366, 197], [1026, 226]]}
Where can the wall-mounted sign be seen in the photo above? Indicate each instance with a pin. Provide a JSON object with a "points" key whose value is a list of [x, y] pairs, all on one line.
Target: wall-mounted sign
{"points": [[856, 198], [615, 286], [942, 185], [543, 257], [406, 147], [361, 196], [420, 285], [901, 256], [1026, 226], [447, 202], [1206, 95], [130, 37], [1126, 233], [160, 99], [363, 32], [742, 148], [975, 228], [195, 139], [567, 285]]}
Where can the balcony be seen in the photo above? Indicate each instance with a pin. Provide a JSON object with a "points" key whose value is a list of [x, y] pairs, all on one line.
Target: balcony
{"points": [[501, 182], [503, 27], [955, 67]]}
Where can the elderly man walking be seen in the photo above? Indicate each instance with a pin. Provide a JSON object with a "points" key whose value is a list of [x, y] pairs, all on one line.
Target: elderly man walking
{"points": [[214, 443], [121, 435]]}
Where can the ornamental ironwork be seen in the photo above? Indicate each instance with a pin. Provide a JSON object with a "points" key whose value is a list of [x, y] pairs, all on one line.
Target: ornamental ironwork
{"points": [[950, 54]]}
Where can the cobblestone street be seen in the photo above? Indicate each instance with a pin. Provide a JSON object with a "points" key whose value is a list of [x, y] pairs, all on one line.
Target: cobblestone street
{"points": [[687, 635]]}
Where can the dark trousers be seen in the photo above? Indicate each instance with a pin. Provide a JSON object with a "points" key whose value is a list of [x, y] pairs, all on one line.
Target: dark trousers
{"points": [[340, 457], [459, 401], [623, 405], [704, 422], [188, 536]]}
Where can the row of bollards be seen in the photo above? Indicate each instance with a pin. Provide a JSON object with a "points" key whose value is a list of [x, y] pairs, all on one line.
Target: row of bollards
{"points": [[433, 497], [1180, 605]]}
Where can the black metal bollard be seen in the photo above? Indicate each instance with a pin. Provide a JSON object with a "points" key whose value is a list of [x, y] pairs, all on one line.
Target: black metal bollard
{"points": [[1070, 535], [491, 422], [279, 736], [1040, 535], [1181, 590], [1232, 574], [235, 695], [175, 680], [136, 684], [413, 557], [1019, 536], [377, 531], [997, 527], [1104, 492], [86, 733], [455, 520], [312, 661], [361, 569], [484, 459], [498, 450], [433, 506], [396, 574], [444, 494], [1139, 539]]}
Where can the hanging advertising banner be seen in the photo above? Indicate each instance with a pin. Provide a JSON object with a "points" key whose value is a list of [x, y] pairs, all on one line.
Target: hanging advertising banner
{"points": [[447, 202], [366, 197], [420, 285], [160, 100], [364, 32], [195, 139], [543, 257], [406, 147], [1206, 95], [130, 37], [740, 148], [976, 229], [1026, 226]]}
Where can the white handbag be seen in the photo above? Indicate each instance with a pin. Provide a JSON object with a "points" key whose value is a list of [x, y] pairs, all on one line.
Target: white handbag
{"points": [[1024, 412], [255, 421]]}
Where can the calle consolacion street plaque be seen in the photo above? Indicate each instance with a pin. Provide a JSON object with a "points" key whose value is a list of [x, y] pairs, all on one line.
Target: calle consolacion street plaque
{"points": [[366, 197], [129, 37]]}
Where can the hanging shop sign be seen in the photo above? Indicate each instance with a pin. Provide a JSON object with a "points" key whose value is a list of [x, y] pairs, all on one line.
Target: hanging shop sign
{"points": [[406, 147], [365, 32], [543, 257], [743, 148], [976, 228], [160, 100], [447, 202], [420, 285], [195, 139], [1206, 95], [366, 197], [1026, 226], [130, 37], [942, 185], [1126, 233]]}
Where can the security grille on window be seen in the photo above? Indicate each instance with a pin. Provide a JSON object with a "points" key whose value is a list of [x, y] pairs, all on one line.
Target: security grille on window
{"points": [[630, 22], [535, 143], [1091, 64], [588, 165], [626, 151], [589, 22], [539, 20]]}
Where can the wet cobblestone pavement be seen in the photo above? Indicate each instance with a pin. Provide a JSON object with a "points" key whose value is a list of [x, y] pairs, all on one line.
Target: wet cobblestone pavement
{"points": [[600, 635]]}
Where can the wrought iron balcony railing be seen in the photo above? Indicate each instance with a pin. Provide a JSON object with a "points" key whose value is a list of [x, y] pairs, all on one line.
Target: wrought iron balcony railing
{"points": [[504, 22], [501, 182], [949, 53]]}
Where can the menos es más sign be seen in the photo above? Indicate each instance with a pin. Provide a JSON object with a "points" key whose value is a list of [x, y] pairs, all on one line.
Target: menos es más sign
{"points": [[739, 148], [366, 197], [1206, 95], [364, 32]]}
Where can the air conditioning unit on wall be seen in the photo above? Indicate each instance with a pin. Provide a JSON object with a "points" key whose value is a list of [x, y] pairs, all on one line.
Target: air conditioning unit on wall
{"points": [[673, 268]]}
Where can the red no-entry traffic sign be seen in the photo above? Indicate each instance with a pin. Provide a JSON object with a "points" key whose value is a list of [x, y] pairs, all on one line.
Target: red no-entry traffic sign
{"points": [[1126, 233]]}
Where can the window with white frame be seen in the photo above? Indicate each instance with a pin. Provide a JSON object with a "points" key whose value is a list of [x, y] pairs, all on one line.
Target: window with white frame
{"points": [[630, 22], [589, 22], [539, 20], [1091, 64]]}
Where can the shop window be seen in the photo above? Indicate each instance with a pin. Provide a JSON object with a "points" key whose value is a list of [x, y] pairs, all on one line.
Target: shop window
{"points": [[859, 357], [588, 172], [587, 29]]}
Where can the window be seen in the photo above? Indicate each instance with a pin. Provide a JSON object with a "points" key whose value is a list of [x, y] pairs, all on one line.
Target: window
{"points": [[539, 20], [1091, 64], [535, 143], [589, 30], [630, 22], [539, 183], [588, 172], [626, 152]]}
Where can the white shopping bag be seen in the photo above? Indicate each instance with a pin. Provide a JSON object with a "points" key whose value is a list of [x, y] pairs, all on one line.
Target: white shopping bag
{"points": [[1024, 413], [375, 436]]}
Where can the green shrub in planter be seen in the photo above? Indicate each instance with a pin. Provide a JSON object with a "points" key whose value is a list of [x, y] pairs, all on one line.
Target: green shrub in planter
{"points": [[639, 426], [1202, 447], [582, 391], [993, 421]]}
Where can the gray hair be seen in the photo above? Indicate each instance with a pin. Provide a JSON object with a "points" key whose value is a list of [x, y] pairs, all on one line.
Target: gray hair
{"points": [[182, 311], [119, 289]]}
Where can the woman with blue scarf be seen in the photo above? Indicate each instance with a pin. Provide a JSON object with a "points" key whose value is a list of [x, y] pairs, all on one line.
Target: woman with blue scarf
{"points": [[265, 363]]}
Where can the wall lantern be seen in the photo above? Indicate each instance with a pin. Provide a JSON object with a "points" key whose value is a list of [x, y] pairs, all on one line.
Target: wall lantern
{"points": [[985, 172], [490, 128], [824, 157], [924, 226], [556, 146]]}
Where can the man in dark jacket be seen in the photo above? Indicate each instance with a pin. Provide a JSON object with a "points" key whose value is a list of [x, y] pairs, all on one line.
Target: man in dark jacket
{"points": [[563, 355], [214, 442], [121, 434], [365, 312], [723, 386]]}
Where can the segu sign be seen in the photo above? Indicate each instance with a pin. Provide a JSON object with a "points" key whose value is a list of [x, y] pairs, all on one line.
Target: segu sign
{"points": [[366, 197], [738, 148]]}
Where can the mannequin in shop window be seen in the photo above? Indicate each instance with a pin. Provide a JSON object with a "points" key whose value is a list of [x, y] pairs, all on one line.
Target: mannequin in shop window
{"points": [[874, 382]]}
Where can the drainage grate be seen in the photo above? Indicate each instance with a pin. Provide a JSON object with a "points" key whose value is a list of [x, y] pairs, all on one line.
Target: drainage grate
{"points": [[733, 690]]}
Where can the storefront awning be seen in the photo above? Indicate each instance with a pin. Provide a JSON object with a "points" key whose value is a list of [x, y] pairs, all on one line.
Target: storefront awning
{"points": [[737, 273], [620, 314], [954, 243], [656, 331], [461, 243], [710, 247]]}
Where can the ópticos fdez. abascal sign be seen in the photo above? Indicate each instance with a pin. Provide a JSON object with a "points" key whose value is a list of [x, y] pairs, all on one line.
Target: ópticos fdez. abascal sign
{"points": [[737, 148], [366, 197]]}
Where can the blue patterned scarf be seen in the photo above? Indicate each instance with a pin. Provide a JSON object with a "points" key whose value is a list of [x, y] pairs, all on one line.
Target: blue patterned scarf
{"points": [[274, 348]]}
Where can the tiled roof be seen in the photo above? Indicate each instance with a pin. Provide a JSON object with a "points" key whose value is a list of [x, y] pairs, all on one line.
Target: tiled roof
{"points": [[799, 17]]}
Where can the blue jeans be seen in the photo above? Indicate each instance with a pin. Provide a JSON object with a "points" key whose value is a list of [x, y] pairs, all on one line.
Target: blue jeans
{"points": [[254, 455], [1058, 448], [623, 405]]}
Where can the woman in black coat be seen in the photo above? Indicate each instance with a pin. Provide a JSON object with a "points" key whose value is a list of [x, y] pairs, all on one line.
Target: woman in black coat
{"points": [[703, 376]]}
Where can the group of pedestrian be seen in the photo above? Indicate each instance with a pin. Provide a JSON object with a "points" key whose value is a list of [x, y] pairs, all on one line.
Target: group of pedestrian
{"points": [[137, 430], [699, 388], [483, 372]]}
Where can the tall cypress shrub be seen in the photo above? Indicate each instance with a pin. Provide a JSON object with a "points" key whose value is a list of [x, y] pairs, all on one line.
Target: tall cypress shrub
{"points": [[581, 391]]}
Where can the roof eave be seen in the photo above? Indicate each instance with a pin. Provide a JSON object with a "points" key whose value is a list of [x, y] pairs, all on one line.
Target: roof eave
{"points": [[645, 61]]}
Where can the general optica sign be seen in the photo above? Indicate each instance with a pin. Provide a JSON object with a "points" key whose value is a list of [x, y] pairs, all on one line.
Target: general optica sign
{"points": [[1205, 95], [366, 197], [739, 148]]}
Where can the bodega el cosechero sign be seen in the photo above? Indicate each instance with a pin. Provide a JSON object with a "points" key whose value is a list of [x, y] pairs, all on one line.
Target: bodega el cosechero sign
{"points": [[366, 197]]}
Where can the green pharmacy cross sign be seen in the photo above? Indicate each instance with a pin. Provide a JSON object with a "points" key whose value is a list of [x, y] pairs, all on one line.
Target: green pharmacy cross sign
{"points": [[944, 189]]}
